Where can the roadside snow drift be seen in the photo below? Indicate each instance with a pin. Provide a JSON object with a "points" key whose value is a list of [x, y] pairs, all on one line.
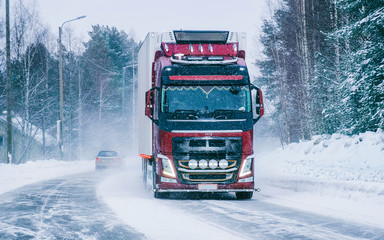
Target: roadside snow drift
{"points": [[14, 176], [336, 175]]}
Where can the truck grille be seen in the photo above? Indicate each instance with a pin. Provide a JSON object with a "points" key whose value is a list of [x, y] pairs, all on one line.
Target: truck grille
{"points": [[208, 159]]}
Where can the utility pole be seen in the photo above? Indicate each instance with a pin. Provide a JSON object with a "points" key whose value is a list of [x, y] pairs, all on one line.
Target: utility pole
{"points": [[61, 99], [133, 97], [123, 94], [9, 85], [80, 119], [124, 113]]}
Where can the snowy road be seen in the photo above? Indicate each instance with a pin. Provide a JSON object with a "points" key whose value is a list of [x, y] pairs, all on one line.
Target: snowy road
{"points": [[64, 208], [221, 216], [115, 206]]}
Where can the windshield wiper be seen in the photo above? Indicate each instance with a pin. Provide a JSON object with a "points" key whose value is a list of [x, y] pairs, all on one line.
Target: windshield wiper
{"points": [[223, 114], [188, 114], [179, 111]]}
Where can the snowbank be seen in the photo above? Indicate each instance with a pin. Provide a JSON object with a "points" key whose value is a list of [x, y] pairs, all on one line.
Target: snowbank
{"points": [[336, 157], [336, 175], [14, 176]]}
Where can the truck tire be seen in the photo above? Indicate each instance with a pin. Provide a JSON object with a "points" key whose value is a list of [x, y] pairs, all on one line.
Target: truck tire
{"points": [[244, 195]]}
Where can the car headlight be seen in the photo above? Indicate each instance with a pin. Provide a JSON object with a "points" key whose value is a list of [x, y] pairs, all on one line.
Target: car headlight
{"points": [[167, 166], [246, 169]]}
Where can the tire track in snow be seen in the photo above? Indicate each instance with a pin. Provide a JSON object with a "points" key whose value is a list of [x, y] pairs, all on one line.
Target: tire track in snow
{"points": [[158, 218], [65, 208]]}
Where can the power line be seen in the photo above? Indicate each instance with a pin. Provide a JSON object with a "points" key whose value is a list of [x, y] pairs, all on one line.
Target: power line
{"points": [[34, 19], [97, 65]]}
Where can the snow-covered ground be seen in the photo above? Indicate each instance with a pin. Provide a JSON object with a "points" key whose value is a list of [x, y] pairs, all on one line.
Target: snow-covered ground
{"points": [[14, 176], [156, 217], [334, 175]]}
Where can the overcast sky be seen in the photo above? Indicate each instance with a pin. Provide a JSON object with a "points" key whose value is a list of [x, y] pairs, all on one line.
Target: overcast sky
{"points": [[144, 16]]}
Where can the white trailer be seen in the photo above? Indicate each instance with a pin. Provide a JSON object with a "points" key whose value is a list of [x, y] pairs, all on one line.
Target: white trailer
{"points": [[146, 57]]}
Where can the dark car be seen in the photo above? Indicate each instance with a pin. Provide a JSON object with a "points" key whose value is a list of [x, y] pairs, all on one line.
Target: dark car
{"points": [[108, 159]]}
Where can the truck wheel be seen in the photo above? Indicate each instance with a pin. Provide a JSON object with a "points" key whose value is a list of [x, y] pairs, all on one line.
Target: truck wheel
{"points": [[244, 195]]}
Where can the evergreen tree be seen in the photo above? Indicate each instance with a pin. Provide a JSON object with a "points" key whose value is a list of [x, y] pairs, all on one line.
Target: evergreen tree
{"points": [[364, 87], [106, 54], [328, 58], [291, 42]]}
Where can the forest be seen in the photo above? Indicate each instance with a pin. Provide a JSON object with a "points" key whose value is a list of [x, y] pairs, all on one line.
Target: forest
{"points": [[97, 85], [323, 67], [321, 70]]}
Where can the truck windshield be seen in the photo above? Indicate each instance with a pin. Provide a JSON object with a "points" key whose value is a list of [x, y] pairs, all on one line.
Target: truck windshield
{"points": [[206, 98]]}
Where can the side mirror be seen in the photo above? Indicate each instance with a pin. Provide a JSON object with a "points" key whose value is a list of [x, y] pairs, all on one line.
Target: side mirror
{"points": [[150, 104], [257, 102]]}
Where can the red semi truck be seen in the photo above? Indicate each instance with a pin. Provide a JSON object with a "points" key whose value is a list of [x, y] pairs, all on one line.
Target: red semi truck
{"points": [[196, 112]]}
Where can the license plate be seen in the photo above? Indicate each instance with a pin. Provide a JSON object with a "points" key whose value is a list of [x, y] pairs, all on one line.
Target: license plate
{"points": [[207, 186]]}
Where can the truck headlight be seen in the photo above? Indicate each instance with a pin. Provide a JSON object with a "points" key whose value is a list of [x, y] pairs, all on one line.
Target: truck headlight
{"points": [[167, 166], [168, 180], [244, 180], [246, 169]]}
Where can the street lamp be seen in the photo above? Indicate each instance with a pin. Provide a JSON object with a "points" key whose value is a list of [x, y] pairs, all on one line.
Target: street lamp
{"points": [[60, 122], [123, 102]]}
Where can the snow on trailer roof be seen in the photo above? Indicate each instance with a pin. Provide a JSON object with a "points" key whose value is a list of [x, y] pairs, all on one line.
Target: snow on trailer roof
{"points": [[186, 37]]}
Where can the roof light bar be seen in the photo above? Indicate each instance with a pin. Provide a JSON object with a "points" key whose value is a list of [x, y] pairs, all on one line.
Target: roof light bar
{"points": [[212, 62], [215, 58], [206, 77], [194, 58]]}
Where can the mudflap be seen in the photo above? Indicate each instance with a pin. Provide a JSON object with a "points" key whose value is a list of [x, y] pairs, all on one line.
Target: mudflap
{"points": [[149, 185], [147, 174]]}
